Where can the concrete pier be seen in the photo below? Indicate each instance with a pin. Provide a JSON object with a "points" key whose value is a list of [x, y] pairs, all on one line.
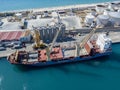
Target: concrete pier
{"points": [[9, 51], [115, 37]]}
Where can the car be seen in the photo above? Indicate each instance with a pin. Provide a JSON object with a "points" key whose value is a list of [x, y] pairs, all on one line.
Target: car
{"points": [[9, 45], [17, 46], [2, 48]]}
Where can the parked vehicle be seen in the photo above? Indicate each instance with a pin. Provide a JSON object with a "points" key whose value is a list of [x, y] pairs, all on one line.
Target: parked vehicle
{"points": [[9, 45], [2, 48], [18, 46]]}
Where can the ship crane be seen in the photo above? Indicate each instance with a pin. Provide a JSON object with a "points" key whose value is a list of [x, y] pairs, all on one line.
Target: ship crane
{"points": [[49, 49], [82, 44], [38, 43]]}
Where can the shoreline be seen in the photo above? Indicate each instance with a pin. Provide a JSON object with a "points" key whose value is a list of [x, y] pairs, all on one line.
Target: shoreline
{"points": [[58, 7]]}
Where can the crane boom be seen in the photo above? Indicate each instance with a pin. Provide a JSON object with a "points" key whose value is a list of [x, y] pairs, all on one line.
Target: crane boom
{"points": [[37, 37], [53, 42], [87, 38], [49, 49], [78, 48]]}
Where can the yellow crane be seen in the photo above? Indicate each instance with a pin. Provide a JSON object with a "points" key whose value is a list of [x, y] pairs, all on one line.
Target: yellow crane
{"points": [[38, 43]]}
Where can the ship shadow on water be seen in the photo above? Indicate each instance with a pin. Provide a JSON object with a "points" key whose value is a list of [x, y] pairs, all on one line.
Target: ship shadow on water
{"points": [[25, 68], [114, 62], [97, 62], [66, 69], [115, 57], [92, 63], [76, 70], [107, 62]]}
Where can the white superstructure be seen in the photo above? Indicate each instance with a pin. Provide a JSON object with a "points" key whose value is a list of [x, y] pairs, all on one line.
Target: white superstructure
{"points": [[103, 42]]}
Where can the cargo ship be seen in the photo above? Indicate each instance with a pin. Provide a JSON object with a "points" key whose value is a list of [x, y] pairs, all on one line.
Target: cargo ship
{"points": [[93, 47]]}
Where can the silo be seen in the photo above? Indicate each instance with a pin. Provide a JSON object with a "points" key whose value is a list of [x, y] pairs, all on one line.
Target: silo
{"points": [[57, 28], [41, 33], [54, 31], [25, 24], [50, 33], [115, 17], [62, 30], [47, 34]]}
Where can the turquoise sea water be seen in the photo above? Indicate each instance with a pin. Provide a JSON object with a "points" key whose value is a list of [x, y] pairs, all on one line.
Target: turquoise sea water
{"points": [[6, 5], [102, 74]]}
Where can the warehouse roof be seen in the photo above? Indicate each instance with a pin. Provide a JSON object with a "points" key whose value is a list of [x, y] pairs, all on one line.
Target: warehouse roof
{"points": [[12, 35]]}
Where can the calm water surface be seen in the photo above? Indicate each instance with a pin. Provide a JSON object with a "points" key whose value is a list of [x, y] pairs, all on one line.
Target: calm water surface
{"points": [[101, 74], [6, 5]]}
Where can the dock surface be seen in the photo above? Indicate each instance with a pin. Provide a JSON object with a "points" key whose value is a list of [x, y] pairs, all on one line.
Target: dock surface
{"points": [[113, 35]]}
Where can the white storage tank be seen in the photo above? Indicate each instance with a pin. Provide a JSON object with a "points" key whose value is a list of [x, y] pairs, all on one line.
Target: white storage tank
{"points": [[46, 14], [55, 15], [100, 8], [115, 17], [39, 16], [89, 19], [18, 15], [102, 19], [112, 6], [93, 12], [106, 11]]}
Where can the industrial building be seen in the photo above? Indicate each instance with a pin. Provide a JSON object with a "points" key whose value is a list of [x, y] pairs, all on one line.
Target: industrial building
{"points": [[47, 33], [9, 36], [104, 16], [71, 22], [14, 36]]}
